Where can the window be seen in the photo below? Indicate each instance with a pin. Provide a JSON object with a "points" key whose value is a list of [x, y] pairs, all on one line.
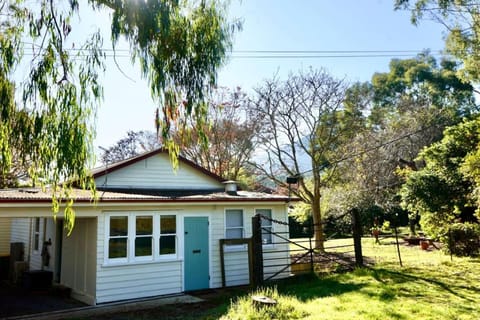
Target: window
{"points": [[140, 237], [143, 236], [118, 236], [233, 223], [267, 227], [36, 234], [168, 235]]}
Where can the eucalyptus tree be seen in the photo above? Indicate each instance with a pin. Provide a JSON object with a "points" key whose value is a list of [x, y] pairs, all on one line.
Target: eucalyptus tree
{"points": [[461, 20], [406, 109], [179, 46], [303, 126]]}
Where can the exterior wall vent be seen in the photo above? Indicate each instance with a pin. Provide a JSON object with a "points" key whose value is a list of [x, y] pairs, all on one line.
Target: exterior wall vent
{"points": [[230, 187]]}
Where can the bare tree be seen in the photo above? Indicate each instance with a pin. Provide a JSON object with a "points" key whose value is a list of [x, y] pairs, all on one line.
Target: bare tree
{"points": [[303, 129], [135, 143], [229, 136]]}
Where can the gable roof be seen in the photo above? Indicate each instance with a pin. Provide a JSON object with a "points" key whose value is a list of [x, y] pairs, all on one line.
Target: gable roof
{"points": [[117, 194], [101, 171]]}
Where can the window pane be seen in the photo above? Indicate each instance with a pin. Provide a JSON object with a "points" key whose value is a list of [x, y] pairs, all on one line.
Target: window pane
{"points": [[234, 233], [265, 213], [144, 225], [37, 224], [143, 246], [168, 224], [167, 244], [36, 242], [234, 218], [117, 248], [267, 236], [118, 226]]}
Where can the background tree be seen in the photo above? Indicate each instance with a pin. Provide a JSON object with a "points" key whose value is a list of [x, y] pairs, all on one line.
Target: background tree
{"points": [[441, 191], [179, 46], [135, 143], [462, 22], [404, 110], [230, 137], [302, 127]]}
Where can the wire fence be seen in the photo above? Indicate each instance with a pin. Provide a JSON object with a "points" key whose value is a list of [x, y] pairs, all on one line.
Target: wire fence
{"points": [[303, 254]]}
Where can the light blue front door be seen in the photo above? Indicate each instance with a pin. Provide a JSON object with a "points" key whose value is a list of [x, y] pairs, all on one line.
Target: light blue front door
{"points": [[196, 253]]}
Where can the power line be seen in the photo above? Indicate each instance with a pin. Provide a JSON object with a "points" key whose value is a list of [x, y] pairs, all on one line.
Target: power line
{"points": [[274, 54], [374, 148]]}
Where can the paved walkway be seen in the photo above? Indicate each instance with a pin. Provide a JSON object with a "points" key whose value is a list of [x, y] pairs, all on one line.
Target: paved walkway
{"points": [[23, 305]]}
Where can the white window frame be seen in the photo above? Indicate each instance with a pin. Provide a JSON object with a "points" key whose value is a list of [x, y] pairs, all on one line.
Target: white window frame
{"points": [[36, 234], [131, 236], [271, 226], [157, 239], [135, 236], [107, 239], [237, 247]]}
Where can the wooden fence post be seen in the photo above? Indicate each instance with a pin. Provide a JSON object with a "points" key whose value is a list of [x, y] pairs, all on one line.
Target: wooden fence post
{"points": [[257, 250], [357, 237]]}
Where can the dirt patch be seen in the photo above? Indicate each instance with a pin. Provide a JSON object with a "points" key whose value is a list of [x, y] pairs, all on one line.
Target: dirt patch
{"points": [[329, 261]]}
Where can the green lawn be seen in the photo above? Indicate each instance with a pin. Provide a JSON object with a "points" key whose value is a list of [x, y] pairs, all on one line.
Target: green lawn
{"points": [[429, 286]]}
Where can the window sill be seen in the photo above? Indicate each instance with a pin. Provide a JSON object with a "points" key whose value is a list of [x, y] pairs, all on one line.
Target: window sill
{"points": [[112, 264]]}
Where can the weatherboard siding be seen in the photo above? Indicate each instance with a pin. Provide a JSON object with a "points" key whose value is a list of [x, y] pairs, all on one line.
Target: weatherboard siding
{"points": [[138, 281], [236, 268], [79, 260], [5, 226], [157, 172]]}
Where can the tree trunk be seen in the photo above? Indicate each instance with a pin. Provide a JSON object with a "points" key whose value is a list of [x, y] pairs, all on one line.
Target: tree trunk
{"points": [[317, 224]]}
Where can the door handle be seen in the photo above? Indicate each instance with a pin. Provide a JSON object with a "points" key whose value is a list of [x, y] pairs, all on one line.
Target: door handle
{"points": [[196, 251]]}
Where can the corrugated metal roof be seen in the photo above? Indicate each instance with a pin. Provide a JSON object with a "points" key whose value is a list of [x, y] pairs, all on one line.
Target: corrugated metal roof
{"points": [[138, 195]]}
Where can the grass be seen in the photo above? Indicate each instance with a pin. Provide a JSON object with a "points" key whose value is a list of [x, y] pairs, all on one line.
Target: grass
{"points": [[429, 286]]}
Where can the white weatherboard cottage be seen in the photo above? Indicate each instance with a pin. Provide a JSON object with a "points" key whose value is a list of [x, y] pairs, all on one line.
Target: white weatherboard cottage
{"points": [[153, 231]]}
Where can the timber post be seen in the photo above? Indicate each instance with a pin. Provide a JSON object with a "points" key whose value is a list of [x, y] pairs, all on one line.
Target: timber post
{"points": [[357, 237], [257, 250]]}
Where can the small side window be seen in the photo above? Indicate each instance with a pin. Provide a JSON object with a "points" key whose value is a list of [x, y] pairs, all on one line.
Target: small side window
{"points": [[234, 224], [36, 234], [267, 226]]}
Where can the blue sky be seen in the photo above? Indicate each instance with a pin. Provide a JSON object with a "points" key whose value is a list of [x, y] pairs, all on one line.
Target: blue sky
{"points": [[277, 25]]}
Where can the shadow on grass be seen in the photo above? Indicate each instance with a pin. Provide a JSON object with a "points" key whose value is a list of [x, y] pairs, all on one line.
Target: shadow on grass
{"points": [[312, 286], [385, 275]]}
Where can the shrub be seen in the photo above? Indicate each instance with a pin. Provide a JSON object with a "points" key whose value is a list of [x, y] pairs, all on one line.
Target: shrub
{"points": [[464, 239], [285, 308]]}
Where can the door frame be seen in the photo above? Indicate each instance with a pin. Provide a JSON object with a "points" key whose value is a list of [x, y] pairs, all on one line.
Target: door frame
{"points": [[208, 216]]}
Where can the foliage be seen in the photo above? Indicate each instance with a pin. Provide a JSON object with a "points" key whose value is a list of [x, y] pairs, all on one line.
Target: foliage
{"points": [[300, 228], [180, 46], [285, 308], [461, 20], [441, 192], [463, 239], [132, 145], [403, 110]]}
